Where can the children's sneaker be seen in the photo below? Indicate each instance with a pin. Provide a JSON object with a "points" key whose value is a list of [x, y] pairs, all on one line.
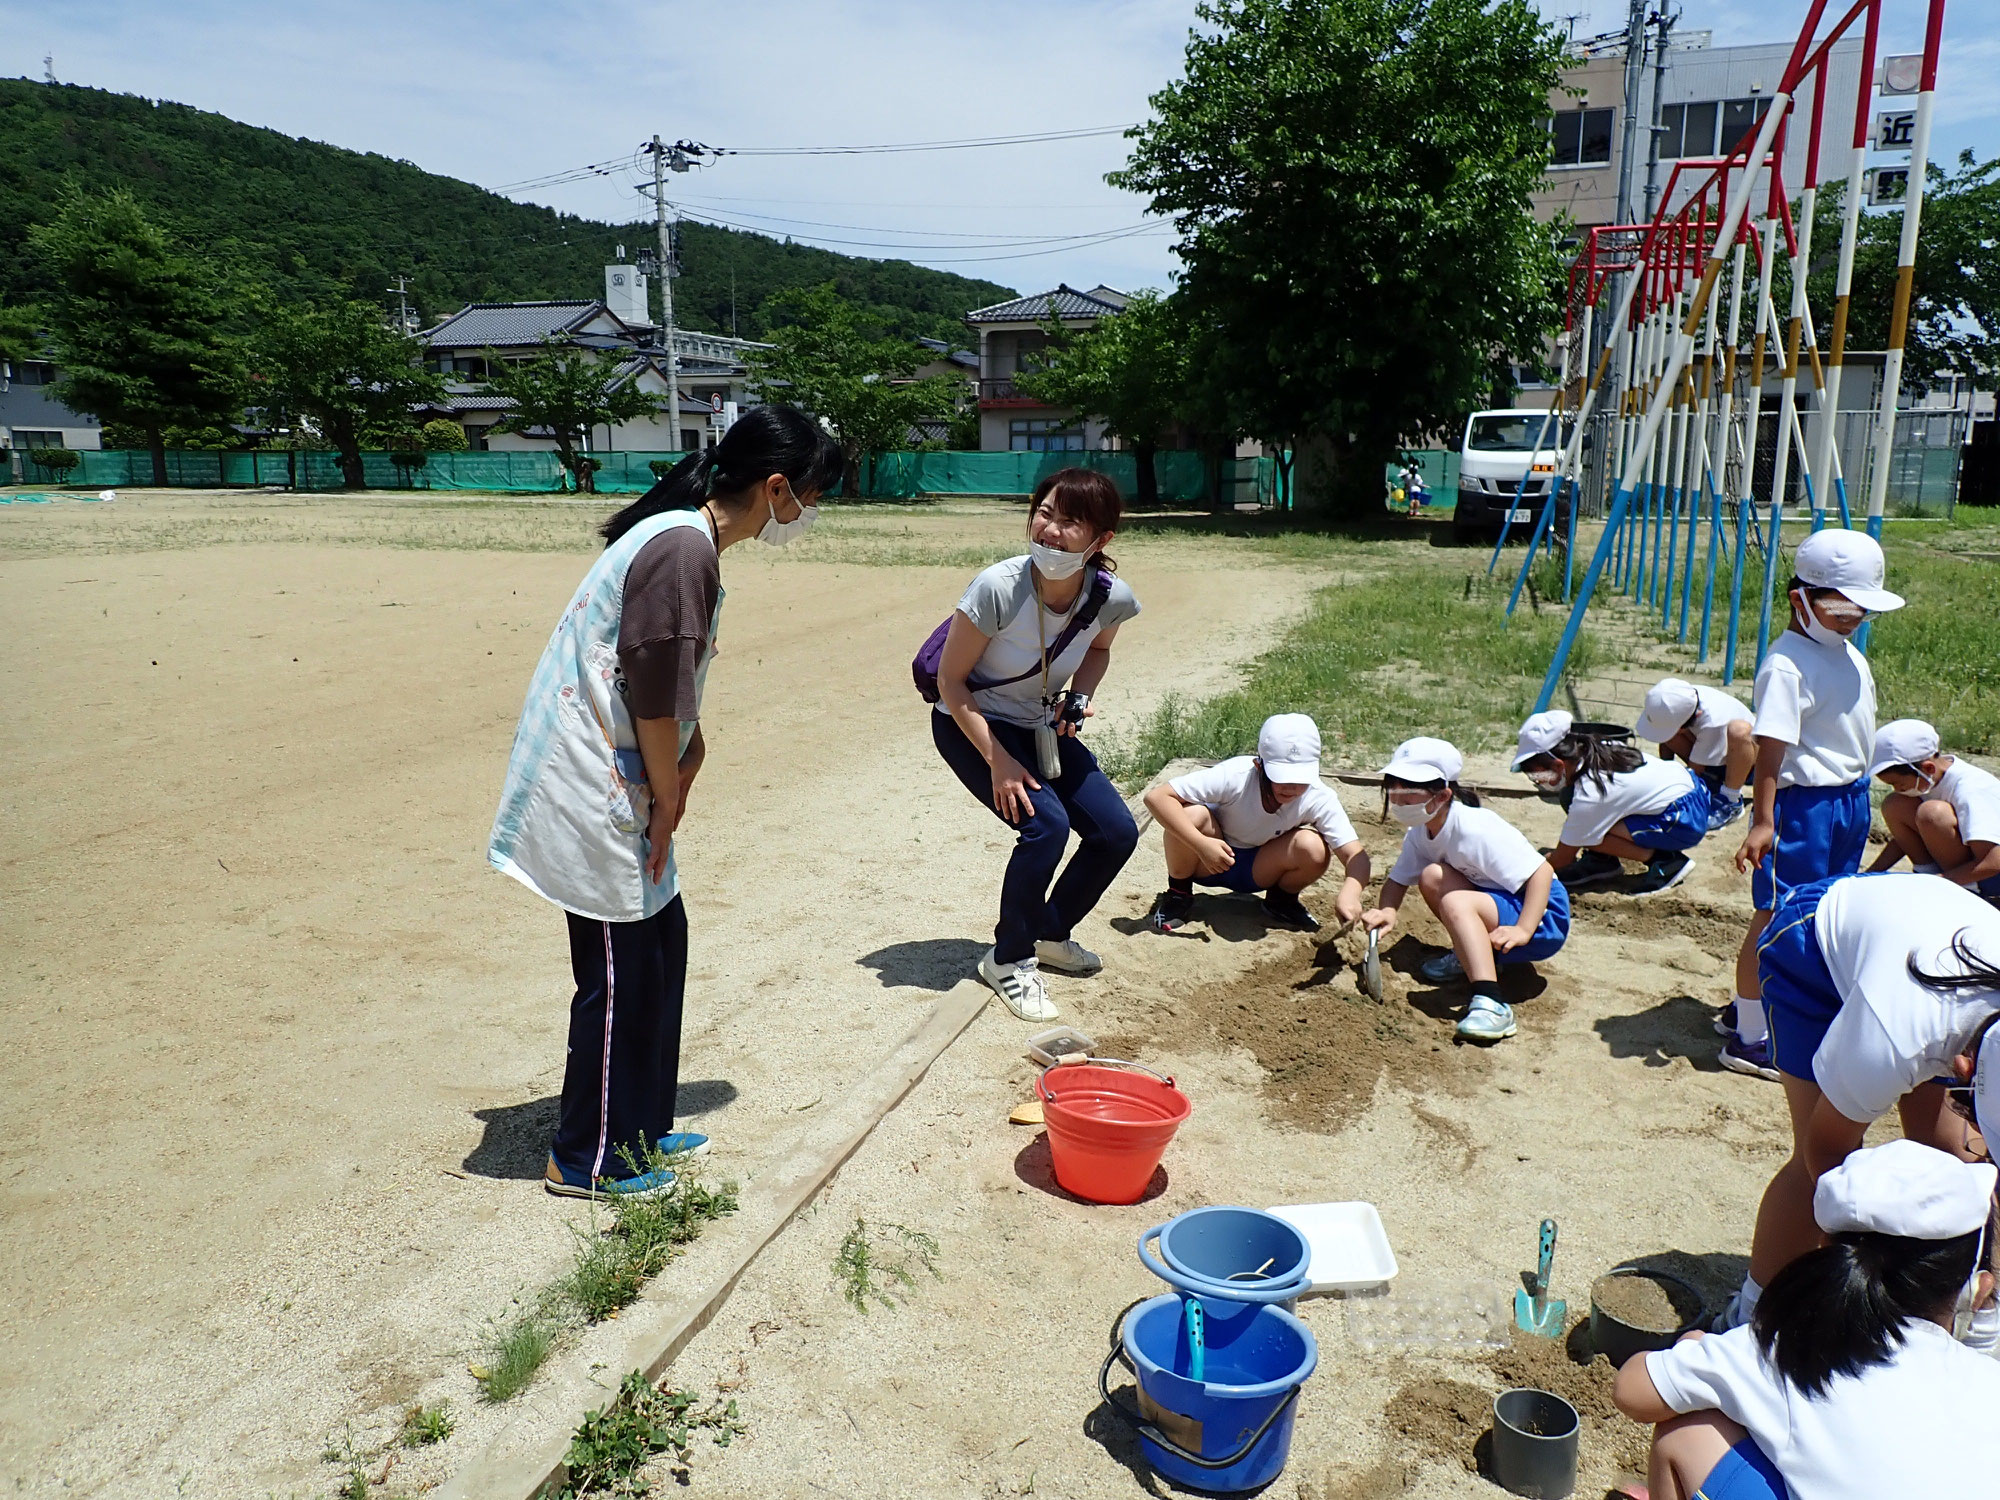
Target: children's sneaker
{"points": [[1727, 808], [1019, 987], [1486, 1020], [1668, 869], [1725, 1020], [1589, 868], [682, 1143], [1752, 1059], [1287, 910], [1068, 957], [1443, 968], [1171, 910], [567, 1184]]}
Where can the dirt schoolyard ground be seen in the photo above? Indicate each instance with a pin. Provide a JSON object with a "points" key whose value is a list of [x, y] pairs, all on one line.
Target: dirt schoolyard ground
{"points": [[285, 1053]]}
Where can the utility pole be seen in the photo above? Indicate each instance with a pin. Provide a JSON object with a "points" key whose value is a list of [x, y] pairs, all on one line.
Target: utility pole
{"points": [[659, 154], [1635, 73], [1663, 24], [49, 67], [402, 291]]}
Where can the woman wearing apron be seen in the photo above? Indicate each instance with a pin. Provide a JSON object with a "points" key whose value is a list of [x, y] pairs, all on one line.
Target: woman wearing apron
{"points": [[608, 745]]}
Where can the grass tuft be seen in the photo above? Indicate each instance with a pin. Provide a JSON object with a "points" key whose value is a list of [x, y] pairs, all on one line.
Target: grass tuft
{"points": [[879, 1263], [424, 1425], [610, 1445]]}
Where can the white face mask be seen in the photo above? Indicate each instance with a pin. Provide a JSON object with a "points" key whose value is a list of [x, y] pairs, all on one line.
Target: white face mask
{"points": [[1811, 624], [1054, 563], [1411, 814], [1549, 781], [776, 533], [1961, 1312]]}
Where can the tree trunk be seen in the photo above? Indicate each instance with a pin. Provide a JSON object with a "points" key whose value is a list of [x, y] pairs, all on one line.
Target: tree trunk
{"points": [[850, 472], [351, 474], [1338, 477], [158, 443], [1146, 492]]}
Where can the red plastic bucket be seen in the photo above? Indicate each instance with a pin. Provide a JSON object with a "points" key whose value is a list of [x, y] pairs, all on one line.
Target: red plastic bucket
{"points": [[1108, 1128]]}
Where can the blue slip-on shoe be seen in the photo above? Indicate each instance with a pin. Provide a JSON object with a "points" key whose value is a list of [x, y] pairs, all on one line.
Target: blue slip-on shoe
{"points": [[682, 1143], [1444, 968], [565, 1184], [1486, 1020]]}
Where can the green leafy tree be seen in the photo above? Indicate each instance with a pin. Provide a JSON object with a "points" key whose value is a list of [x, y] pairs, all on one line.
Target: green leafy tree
{"points": [[1955, 289], [20, 333], [1350, 181], [1130, 371], [564, 392], [443, 436], [341, 370], [135, 326], [833, 359]]}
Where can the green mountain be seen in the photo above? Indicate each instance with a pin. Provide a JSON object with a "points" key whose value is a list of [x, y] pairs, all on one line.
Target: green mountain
{"points": [[306, 219]]}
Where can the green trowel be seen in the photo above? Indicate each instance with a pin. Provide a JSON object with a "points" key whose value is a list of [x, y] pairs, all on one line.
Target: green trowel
{"points": [[1535, 1311]]}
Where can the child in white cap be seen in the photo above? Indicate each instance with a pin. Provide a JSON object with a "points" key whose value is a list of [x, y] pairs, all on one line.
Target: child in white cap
{"points": [[1711, 731], [1491, 888], [1620, 805], [1943, 812], [1815, 729], [1263, 822], [1873, 985], [1849, 1384]]}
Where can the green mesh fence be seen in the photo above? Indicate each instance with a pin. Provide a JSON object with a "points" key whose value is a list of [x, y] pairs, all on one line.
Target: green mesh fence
{"points": [[1440, 470], [1182, 474]]}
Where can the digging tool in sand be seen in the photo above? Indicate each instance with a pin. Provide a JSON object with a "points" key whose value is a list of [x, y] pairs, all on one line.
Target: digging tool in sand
{"points": [[1371, 967], [1535, 1311]]}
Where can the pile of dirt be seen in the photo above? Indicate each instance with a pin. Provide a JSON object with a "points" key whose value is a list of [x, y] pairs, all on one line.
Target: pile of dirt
{"points": [[1546, 1365], [1672, 917], [1441, 1419], [1638, 1301]]}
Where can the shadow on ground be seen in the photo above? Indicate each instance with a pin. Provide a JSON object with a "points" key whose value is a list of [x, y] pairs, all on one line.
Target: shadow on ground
{"points": [[926, 964], [1034, 1166], [1680, 1026], [516, 1143]]}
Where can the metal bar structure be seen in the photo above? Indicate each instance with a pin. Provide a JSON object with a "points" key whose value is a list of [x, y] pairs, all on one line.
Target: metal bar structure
{"points": [[1687, 434]]}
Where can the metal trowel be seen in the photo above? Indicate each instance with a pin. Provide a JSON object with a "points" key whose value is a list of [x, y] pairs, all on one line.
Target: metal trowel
{"points": [[1535, 1311], [1371, 967]]}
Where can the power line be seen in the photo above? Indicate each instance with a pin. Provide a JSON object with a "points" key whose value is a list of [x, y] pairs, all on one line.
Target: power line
{"points": [[1077, 242], [971, 144], [986, 238]]}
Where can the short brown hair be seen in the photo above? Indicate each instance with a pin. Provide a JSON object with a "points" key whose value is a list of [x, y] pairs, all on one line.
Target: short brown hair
{"points": [[1082, 495]]}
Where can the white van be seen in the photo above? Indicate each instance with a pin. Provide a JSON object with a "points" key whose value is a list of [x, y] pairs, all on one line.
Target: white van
{"points": [[1498, 448]]}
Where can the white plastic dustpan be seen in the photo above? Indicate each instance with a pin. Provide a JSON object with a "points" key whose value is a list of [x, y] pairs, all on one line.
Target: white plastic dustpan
{"points": [[1350, 1249]]}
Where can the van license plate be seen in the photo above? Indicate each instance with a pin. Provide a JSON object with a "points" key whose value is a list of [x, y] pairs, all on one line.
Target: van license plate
{"points": [[1520, 517]]}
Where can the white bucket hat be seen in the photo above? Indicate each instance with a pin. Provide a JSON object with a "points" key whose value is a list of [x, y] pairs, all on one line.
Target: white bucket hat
{"points": [[1541, 734], [1670, 703], [1902, 742], [1425, 759], [1907, 1189], [1288, 747], [1850, 561]]}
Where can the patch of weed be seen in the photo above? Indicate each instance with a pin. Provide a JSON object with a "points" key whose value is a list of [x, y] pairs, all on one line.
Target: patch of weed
{"points": [[518, 1348], [424, 1425], [877, 1262], [610, 1446]]}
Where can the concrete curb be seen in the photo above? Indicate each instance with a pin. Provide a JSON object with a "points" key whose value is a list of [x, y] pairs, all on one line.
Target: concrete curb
{"points": [[526, 1457]]}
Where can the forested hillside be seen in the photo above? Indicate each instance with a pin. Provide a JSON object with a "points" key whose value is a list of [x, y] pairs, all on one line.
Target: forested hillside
{"points": [[305, 219]]}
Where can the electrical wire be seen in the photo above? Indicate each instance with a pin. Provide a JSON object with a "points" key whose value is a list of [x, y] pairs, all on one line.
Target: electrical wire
{"points": [[988, 240], [1067, 243], [970, 144]]}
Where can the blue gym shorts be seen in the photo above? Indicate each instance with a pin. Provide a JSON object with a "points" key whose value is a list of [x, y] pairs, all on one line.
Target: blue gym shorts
{"points": [[1549, 936], [1822, 832], [1237, 877], [1679, 825], [1799, 995], [1743, 1473]]}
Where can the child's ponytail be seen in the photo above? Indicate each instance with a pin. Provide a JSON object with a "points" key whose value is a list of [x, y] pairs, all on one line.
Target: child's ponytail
{"points": [[1465, 794], [1597, 758]]}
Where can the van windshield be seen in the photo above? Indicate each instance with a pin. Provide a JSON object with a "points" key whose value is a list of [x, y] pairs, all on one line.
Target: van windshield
{"points": [[1512, 434]]}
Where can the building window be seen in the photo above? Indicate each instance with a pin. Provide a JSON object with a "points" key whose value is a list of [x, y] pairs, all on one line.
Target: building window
{"points": [[32, 372], [28, 441], [1580, 138], [1045, 435], [1709, 127]]}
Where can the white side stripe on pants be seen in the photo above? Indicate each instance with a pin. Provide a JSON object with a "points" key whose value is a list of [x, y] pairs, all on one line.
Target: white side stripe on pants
{"points": [[604, 1079]]}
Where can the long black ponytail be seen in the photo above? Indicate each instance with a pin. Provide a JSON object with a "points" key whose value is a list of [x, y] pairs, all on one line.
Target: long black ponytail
{"points": [[765, 440], [1598, 758], [1841, 1308]]}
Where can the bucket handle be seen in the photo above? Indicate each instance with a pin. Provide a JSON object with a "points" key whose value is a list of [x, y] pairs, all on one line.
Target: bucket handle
{"points": [[1232, 1290], [1147, 1430], [1041, 1083]]}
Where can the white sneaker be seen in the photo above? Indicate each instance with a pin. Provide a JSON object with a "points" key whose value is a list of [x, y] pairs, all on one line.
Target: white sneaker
{"points": [[1487, 1020], [1019, 987], [1068, 957]]}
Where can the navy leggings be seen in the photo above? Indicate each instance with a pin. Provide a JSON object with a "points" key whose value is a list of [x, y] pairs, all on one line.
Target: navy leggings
{"points": [[1082, 798]]}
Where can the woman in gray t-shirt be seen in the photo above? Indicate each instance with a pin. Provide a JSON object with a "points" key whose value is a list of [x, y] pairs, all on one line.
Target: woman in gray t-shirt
{"points": [[1003, 716]]}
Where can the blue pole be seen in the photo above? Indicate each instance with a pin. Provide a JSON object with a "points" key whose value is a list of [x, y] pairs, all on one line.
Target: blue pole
{"points": [[1534, 541], [1840, 494], [1861, 635], [1708, 584], [1736, 593], [1635, 547], [1673, 552], [1770, 582], [1569, 546], [1619, 503], [1520, 488], [1687, 564]]}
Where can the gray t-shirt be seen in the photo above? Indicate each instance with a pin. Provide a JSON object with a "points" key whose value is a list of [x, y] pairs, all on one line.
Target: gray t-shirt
{"points": [[1001, 604]]}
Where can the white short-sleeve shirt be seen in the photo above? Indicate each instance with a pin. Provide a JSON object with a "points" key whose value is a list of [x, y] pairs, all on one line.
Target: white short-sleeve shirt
{"points": [[1923, 1423], [1596, 808], [1231, 790], [1974, 794], [1819, 701], [1893, 1032], [1001, 603], [1714, 712], [1475, 841]]}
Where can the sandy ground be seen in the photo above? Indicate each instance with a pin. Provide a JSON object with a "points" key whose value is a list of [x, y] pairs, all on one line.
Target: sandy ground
{"points": [[283, 1052]]}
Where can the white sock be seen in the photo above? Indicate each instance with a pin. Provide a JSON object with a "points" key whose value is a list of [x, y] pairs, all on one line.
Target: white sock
{"points": [[1751, 1027], [1925, 868], [1747, 1299]]}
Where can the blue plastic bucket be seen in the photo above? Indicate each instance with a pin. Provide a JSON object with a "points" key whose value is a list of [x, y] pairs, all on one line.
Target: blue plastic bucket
{"points": [[1232, 1258], [1231, 1430]]}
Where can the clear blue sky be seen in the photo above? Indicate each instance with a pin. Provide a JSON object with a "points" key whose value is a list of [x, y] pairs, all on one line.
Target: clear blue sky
{"points": [[511, 90]]}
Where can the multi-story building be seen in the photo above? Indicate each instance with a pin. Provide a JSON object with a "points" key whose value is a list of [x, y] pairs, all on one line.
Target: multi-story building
{"points": [[1011, 334], [31, 417]]}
